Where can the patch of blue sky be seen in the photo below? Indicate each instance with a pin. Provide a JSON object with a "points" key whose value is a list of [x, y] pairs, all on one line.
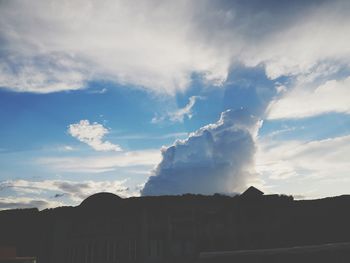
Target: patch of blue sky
{"points": [[31, 121], [306, 129]]}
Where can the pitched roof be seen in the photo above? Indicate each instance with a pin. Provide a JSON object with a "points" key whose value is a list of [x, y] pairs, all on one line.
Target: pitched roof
{"points": [[252, 191]]}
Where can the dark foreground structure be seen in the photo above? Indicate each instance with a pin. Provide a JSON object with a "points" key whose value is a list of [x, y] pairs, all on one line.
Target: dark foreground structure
{"points": [[252, 227]]}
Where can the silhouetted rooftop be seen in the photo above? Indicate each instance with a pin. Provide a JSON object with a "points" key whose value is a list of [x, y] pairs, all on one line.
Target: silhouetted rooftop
{"points": [[103, 199], [252, 191], [177, 228]]}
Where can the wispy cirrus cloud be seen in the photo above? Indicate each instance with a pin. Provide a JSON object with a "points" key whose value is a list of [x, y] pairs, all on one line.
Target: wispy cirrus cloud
{"points": [[319, 159], [179, 114], [301, 102], [92, 134], [151, 137], [41, 73], [15, 202], [100, 164], [34, 193]]}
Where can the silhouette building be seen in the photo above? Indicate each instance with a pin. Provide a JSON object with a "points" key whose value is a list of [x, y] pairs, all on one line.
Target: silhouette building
{"points": [[105, 228], [252, 193]]}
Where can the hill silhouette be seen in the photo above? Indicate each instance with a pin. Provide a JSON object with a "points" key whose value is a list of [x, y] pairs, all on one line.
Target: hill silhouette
{"points": [[188, 228]]}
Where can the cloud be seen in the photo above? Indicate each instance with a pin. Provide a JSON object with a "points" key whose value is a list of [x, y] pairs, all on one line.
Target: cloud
{"points": [[293, 51], [13, 202], [331, 96], [314, 169], [41, 73], [80, 190], [218, 158], [76, 191], [150, 137], [92, 135], [52, 47], [179, 114], [320, 159], [155, 49], [66, 148], [100, 164]]}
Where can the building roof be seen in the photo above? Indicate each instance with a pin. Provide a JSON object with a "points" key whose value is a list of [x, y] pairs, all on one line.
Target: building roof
{"points": [[252, 192]]}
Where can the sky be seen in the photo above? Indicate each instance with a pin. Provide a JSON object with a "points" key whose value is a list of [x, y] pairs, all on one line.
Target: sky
{"points": [[172, 97]]}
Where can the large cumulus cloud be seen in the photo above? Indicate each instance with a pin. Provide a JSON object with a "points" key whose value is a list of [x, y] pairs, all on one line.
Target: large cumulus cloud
{"points": [[217, 158]]}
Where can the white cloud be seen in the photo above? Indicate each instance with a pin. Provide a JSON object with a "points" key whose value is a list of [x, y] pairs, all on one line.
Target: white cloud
{"points": [[151, 137], [60, 48], [75, 191], [101, 91], [66, 148], [92, 135], [100, 164], [314, 37], [331, 96], [41, 73], [179, 114], [216, 158], [50, 46], [15, 202], [284, 130], [319, 160]]}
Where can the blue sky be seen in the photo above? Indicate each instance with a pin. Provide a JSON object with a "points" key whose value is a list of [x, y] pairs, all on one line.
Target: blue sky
{"points": [[211, 97]]}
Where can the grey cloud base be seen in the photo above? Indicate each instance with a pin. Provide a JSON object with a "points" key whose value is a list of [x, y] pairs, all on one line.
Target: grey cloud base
{"points": [[218, 158]]}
